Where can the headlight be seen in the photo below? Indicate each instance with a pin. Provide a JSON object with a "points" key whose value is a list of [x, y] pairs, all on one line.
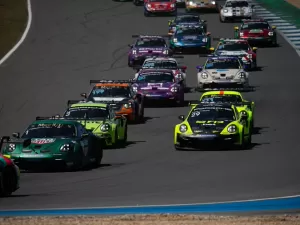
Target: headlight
{"points": [[232, 129], [104, 127], [225, 10], [175, 39], [241, 34], [174, 89], [213, 2], [204, 39], [166, 52], [148, 5], [134, 51], [134, 89], [191, 3], [204, 75], [128, 105], [172, 5], [65, 148], [11, 147], [271, 33], [242, 75], [183, 128]]}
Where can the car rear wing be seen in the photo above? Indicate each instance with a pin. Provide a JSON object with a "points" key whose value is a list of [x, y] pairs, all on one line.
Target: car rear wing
{"points": [[197, 102], [6, 139], [240, 89], [111, 82], [71, 102], [149, 36]]}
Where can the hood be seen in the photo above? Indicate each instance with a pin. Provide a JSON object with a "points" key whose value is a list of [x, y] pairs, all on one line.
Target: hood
{"points": [[256, 32], [231, 53], [151, 50], [160, 4], [190, 37], [187, 23], [223, 73], [201, 127], [156, 86], [45, 145]]}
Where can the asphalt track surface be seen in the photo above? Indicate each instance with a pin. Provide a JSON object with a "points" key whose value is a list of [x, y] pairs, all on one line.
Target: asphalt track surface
{"points": [[71, 42]]}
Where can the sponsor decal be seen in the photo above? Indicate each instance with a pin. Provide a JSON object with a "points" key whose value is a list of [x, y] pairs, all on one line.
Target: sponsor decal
{"points": [[42, 141]]}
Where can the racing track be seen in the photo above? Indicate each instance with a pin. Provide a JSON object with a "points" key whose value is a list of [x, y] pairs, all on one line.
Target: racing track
{"points": [[73, 41]]}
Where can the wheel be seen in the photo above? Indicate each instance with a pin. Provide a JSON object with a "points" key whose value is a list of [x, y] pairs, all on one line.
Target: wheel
{"points": [[99, 154], [122, 143], [246, 143], [220, 18], [141, 113], [8, 181]]}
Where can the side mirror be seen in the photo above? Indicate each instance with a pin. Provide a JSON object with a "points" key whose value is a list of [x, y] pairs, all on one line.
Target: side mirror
{"points": [[208, 33], [254, 49], [83, 95], [130, 46], [181, 117], [199, 68], [183, 68], [16, 135], [273, 27], [236, 28], [203, 21]]}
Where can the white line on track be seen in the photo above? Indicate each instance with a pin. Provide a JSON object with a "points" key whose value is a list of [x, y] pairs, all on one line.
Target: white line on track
{"points": [[193, 204], [22, 39]]}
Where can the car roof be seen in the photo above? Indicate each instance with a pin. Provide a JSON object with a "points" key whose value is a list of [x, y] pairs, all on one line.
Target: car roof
{"points": [[58, 121], [112, 85], [89, 104], [222, 93], [155, 70]]}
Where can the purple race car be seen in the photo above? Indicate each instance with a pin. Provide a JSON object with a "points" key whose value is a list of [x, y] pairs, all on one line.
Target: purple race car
{"points": [[159, 85], [147, 46]]}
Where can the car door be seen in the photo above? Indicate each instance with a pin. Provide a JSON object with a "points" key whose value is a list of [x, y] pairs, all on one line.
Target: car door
{"points": [[84, 140]]}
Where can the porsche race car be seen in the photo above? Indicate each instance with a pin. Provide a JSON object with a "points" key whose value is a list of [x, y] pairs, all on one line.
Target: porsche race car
{"points": [[187, 19], [193, 5], [257, 31], [155, 7], [236, 10], [190, 39], [120, 96], [147, 46], [213, 125], [222, 72]]}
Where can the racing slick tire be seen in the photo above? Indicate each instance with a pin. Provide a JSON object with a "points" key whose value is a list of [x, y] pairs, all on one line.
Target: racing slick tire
{"points": [[121, 143], [246, 143], [141, 113], [99, 154], [8, 181], [222, 20]]}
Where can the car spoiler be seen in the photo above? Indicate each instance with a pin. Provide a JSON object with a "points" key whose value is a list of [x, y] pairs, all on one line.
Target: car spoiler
{"points": [[6, 139], [71, 102], [195, 102], [111, 82], [149, 36], [240, 89]]}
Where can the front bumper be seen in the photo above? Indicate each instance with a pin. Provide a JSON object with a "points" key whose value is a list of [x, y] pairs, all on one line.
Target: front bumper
{"points": [[203, 6], [139, 59], [235, 17], [262, 40], [189, 47], [206, 141], [161, 11], [226, 85]]}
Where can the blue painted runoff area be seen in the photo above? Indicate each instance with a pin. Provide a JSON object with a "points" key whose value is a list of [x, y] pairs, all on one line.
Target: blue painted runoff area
{"points": [[288, 203]]}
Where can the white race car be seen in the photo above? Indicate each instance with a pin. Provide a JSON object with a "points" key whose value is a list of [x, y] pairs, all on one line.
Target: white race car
{"points": [[236, 10], [164, 63]]}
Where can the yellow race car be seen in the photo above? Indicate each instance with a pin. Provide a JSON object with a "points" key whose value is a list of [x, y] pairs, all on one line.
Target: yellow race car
{"points": [[218, 125], [232, 97]]}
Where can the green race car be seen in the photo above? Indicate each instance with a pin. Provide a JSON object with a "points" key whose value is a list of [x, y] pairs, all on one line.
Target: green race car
{"points": [[101, 119], [55, 143], [213, 125], [231, 97]]}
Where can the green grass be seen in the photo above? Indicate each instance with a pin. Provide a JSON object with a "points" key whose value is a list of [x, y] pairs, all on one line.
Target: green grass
{"points": [[283, 9], [13, 20]]}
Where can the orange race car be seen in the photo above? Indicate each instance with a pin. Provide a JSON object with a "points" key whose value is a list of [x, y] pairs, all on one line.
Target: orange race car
{"points": [[119, 94]]}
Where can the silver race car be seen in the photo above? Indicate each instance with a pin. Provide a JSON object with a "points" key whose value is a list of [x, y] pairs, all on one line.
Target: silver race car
{"points": [[222, 72], [236, 10], [164, 63]]}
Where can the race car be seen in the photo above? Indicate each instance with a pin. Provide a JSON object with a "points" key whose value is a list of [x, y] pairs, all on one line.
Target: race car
{"points": [[120, 96], [187, 19], [239, 48], [211, 5], [190, 39], [213, 125], [100, 119], [147, 46], [257, 31], [9, 171], [159, 85], [221, 72], [53, 143], [165, 63], [236, 10], [231, 97], [155, 7]]}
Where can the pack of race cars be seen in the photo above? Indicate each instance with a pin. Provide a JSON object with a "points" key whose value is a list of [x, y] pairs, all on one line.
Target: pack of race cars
{"points": [[221, 117]]}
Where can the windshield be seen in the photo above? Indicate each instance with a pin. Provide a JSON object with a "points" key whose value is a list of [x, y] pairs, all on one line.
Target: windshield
{"points": [[211, 114], [190, 31], [50, 130], [155, 77], [187, 19], [163, 64], [110, 91], [237, 4], [148, 43], [234, 47], [255, 26], [87, 113], [221, 98], [228, 63]]}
